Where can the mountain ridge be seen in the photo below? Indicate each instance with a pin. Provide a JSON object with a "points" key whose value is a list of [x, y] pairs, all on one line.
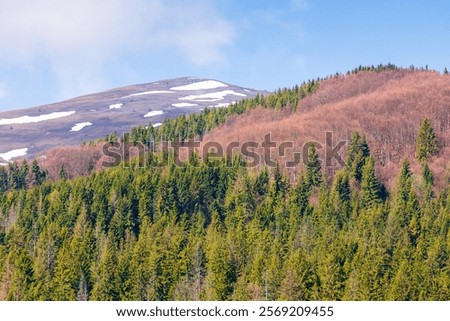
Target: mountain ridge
{"points": [[117, 109]]}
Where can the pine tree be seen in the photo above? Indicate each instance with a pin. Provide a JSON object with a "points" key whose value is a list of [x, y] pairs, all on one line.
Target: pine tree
{"points": [[426, 145]]}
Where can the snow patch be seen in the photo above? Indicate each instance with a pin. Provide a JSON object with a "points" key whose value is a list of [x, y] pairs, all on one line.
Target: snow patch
{"points": [[14, 153], [184, 105], [153, 113], [156, 125], [35, 119], [80, 126], [151, 92], [206, 84], [216, 96], [116, 106]]}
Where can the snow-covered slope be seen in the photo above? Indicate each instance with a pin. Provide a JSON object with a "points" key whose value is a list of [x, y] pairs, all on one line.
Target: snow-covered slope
{"points": [[28, 132]]}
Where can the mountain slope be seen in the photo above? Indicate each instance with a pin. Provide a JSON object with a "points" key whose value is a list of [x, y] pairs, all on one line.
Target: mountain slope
{"points": [[387, 107], [33, 130]]}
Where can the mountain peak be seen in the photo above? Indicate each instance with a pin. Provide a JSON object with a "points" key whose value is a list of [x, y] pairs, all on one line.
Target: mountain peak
{"points": [[28, 132]]}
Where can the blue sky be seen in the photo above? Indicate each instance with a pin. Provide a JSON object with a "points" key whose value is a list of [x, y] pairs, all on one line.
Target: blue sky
{"points": [[53, 50]]}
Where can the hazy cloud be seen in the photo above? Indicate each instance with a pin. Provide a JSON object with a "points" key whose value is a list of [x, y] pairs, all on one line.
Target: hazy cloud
{"points": [[300, 5], [196, 30], [78, 38]]}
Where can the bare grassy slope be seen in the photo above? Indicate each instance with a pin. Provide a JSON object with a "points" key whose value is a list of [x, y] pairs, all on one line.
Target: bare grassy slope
{"points": [[387, 107]]}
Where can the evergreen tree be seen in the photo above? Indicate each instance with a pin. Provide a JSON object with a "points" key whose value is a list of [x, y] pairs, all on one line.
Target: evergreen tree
{"points": [[299, 278], [341, 196], [427, 175], [14, 175], [38, 175], [22, 276], [426, 145], [62, 172], [370, 186], [4, 186], [106, 281], [313, 167], [404, 183], [358, 151], [219, 277]]}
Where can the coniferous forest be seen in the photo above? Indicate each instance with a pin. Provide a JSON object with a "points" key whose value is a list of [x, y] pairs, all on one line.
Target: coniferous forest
{"points": [[213, 229]]}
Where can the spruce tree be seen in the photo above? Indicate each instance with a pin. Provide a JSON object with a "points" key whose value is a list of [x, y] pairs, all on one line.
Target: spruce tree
{"points": [[427, 175], [404, 183], [341, 196], [38, 176], [358, 151], [13, 175], [3, 180], [62, 172], [313, 167], [426, 145], [299, 278], [370, 186]]}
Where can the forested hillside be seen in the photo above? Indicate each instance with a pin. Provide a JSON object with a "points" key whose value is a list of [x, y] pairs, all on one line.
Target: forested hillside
{"points": [[387, 107], [215, 229]]}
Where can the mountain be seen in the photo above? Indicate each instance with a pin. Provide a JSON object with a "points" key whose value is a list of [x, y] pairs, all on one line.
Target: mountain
{"points": [[216, 229], [212, 229], [28, 132]]}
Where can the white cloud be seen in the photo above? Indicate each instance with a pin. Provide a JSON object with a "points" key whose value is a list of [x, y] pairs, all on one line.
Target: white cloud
{"points": [[79, 38]]}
